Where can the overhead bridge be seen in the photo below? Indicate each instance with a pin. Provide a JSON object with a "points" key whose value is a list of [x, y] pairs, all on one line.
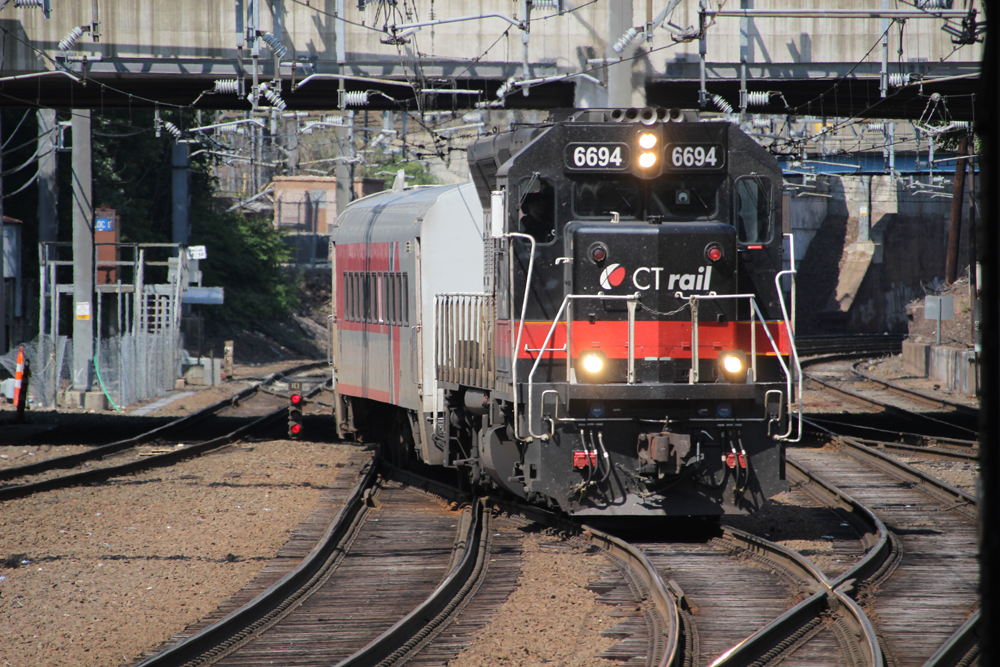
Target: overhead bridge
{"points": [[832, 58]]}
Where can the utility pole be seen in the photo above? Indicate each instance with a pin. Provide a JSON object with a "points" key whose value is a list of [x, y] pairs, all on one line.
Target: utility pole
{"points": [[955, 228], [621, 88], [48, 185], [83, 253], [181, 198]]}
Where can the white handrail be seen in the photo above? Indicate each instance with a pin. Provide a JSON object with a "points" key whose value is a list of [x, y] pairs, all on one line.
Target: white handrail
{"points": [[545, 344]]}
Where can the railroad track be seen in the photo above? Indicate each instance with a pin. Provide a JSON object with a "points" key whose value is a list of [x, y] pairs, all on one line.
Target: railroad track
{"points": [[842, 345], [909, 410], [255, 408], [919, 579], [732, 599]]}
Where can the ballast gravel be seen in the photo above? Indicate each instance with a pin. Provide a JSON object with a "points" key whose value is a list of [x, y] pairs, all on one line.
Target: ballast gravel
{"points": [[95, 575]]}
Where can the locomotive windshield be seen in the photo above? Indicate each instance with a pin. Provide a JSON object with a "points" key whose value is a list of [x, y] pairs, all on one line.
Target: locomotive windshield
{"points": [[668, 197]]}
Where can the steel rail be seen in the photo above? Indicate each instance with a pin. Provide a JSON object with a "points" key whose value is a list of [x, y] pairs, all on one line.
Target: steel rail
{"points": [[668, 636], [159, 460], [798, 622], [917, 396], [968, 452], [71, 460], [880, 561], [281, 595], [865, 401], [408, 634], [939, 490]]}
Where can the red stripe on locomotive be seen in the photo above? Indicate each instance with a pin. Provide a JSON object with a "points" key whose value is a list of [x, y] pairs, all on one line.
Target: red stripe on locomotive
{"points": [[652, 339]]}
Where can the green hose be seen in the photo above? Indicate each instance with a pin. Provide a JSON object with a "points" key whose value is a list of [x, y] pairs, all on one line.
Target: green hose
{"points": [[103, 388]]}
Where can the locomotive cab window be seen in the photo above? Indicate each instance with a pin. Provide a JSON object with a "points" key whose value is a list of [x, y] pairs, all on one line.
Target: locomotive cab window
{"points": [[536, 208], [752, 210], [599, 197], [689, 198]]}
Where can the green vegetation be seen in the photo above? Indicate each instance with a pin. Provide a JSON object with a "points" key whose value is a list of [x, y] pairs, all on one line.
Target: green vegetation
{"points": [[417, 172], [133, 174]]}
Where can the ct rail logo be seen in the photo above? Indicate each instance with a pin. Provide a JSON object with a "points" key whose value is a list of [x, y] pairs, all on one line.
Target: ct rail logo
{"points": [[652, 277], [612, 276]]}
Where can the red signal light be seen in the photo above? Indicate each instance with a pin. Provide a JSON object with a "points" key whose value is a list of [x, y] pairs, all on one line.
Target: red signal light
{"points": [[599, 254], [296, 399], [295, 429], [713, 252]]}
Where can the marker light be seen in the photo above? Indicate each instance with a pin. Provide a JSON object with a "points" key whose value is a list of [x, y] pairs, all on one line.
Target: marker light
{"points": [[599, 253], [647, 141], [592, 363], [713, 252], [647, 160]]}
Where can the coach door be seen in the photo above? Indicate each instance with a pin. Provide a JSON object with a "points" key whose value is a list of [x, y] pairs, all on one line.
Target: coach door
{"points": [[332, 323]]}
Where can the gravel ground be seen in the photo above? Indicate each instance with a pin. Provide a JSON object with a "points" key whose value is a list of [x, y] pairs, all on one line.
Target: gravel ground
{"points": [[95, 575], [551, 619]]}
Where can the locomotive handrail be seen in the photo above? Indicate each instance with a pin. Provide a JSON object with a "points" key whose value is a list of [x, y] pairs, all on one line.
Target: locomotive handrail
{"points": [[790, 327], [754, 313], [631, 299]]}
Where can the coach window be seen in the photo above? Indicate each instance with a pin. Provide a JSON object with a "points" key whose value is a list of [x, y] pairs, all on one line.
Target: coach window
{"points": [[536, 208], [753, 209], [405, 292], [367, 282], [400, 297], [348, 298]]}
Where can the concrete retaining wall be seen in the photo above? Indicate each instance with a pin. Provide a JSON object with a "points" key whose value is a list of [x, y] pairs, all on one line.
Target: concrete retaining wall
{"points": [[954, 368]]}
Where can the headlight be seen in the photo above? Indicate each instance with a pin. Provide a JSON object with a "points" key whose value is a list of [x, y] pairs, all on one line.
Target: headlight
{"points": [[647, 160], [647, 141], [733, 366], [592, 362]]}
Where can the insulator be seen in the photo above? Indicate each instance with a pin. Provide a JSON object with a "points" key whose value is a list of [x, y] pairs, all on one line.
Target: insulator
{"points": [[275, 99], [29, 3], [227, 86], [761, 122], [875, 126], [274, 44], [67, 42], [353, 98], [898, 79], [721, 102], [757, 98], [625, 40], [505, 88], [230, 129], [172, 129], [545, 4]]}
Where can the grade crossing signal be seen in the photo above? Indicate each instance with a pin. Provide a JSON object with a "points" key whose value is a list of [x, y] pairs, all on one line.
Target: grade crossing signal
{"points": [[295, 416]]}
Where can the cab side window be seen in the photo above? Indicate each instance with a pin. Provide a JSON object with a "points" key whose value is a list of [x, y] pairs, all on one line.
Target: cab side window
{"points": [[752, 210], [536, 208]]}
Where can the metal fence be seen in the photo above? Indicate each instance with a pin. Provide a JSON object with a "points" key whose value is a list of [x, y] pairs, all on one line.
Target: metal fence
{"points": [[137, 314]]}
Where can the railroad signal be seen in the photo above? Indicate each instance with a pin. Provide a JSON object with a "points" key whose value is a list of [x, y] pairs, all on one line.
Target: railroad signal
{"points": [[295, 416]]}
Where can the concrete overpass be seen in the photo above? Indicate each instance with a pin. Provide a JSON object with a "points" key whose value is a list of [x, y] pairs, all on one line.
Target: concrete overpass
{"points": [[814, 57]]}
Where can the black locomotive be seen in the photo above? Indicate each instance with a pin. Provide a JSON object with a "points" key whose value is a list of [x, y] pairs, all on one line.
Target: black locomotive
{"points": [[599, 327]]}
